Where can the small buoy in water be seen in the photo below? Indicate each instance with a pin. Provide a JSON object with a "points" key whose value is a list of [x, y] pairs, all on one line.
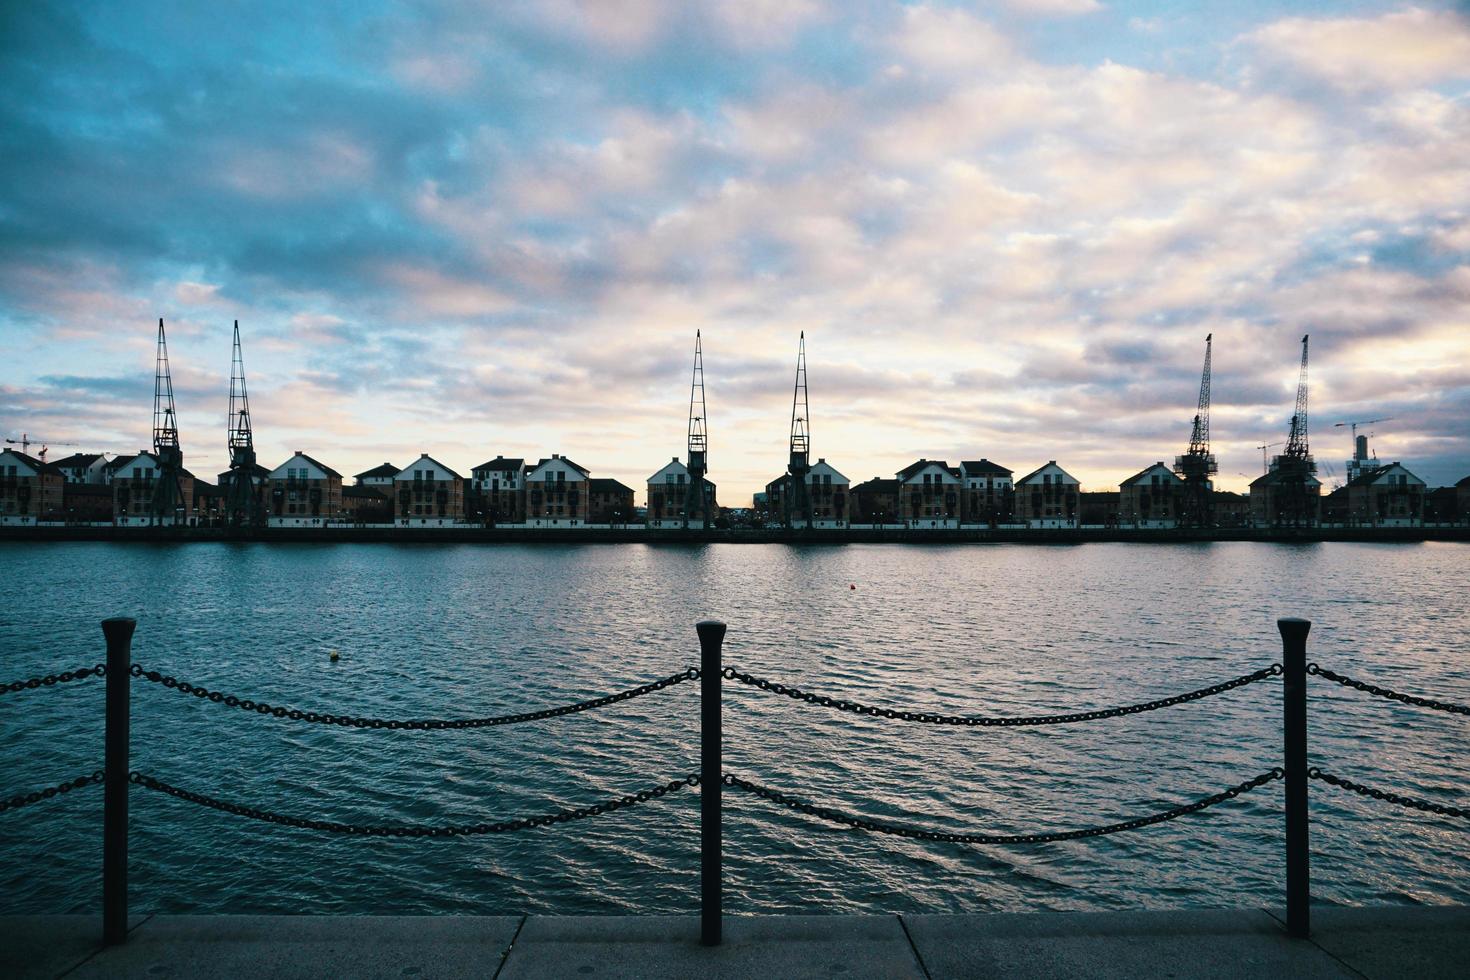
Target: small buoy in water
{"points": [[853, 588], [333, 656]]}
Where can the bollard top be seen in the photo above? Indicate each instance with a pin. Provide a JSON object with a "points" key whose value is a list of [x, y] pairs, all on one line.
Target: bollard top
{"points": [[710, 630], [1294, 626], [119, 625]]}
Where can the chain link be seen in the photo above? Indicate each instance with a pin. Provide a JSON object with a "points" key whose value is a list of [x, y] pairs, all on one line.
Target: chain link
{"points": [[349, 721], [842, 704], [30, 684], [1386, 796], [919, 833], [1383, 692], [460, 830], [26, 799]]}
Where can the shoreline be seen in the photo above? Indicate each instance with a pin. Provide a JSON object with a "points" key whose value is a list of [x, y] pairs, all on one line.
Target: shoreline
{"points": [[816, 536]]}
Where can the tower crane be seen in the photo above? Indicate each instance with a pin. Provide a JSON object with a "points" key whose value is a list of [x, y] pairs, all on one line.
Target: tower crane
{"points": [[797, 500], [25, 442], [1265, 464], [1197, 465], [1359, 460], [695, 502]]}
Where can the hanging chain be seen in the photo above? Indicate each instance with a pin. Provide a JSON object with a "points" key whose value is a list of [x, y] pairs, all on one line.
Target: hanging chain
{"points": [[1408, 802], [26, 799], [349, 721], [460, 830], [842, 704], [919, 833], [100, 670], [1383, 692]]}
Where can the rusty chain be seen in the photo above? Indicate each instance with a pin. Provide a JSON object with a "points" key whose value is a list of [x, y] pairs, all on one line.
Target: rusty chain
{"points": [[920, 833], [842, 704], [400, 831], [26, 799], [349, 721], [1408, 802], [1383, 692], [30, 684]]}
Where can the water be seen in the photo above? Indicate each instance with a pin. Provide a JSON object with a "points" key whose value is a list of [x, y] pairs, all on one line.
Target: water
{"points": [[447, 631]]}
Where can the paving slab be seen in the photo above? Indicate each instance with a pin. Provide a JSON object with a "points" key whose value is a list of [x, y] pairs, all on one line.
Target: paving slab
{"points": [[1205, 943], [1423, 943], [290, 946], [789, 947], [35, 946]]}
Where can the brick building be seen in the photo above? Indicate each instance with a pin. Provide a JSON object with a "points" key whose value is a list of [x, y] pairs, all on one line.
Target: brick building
{"points": [[30, 490], [609, 502], [303, 492], [556, 493], [134, 481], [1047, 497], [1150, 498], [828, 490], [987, 492], [1386, 496], [929, 494], [427, 493], [875, 502], [668, 495], [498, 491]]}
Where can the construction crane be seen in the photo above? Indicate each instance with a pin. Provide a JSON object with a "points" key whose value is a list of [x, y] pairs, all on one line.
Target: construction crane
{"points": [[797, 500], [25, 442], [1359, 461], [695, 501], [168, 490], [1265, 460], [242, 496], [1197, 465]]}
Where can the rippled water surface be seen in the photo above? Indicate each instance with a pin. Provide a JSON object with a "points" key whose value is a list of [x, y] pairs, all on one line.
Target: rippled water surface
{"points": [[446, 631]]}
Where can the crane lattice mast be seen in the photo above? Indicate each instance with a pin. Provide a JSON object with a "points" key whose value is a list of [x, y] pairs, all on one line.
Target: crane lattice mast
{"points": [[797, 500], [243, 500], [1296, 443], [1197, 465], [695, 498], [168, 493]]}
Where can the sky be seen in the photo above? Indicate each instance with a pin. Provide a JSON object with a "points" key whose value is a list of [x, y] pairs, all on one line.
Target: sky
{"points": [[473, 229]]}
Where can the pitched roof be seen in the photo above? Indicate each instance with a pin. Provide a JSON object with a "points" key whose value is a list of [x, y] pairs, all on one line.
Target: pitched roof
{"points": [[1278, 476], [77, 459], [915, 467], [38, 465], [386, 469], [365, 493], [580, 469], [1464, 483], [422, 457], [877, 484], [983, 467], [1050, 462], [320, 465], [1138, 477], [1367, 477], [606, 484], [500, 463]]}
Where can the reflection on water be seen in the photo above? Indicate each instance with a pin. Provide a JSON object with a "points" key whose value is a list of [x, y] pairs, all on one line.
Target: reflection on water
{"points": [[445, 631]]}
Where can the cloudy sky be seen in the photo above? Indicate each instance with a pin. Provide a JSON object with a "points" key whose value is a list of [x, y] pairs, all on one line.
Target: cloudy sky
{"points": [[480, 228]]}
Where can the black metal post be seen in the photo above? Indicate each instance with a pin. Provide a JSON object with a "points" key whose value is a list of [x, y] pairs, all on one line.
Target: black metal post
{"points": [[1298, 852], [711, 779], [119, 634]]}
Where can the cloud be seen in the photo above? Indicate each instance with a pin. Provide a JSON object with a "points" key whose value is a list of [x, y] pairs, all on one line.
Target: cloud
{"points": [[495, 228], [1405, 49]]}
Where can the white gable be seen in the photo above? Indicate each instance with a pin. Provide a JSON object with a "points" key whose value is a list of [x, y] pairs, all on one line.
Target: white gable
{"points": [[1057, 474], [1163, 472], [1391, 474], [674, 467], [145, 462], [554, 466], [10, 458], [298, 463], [825, 469], [427, 468], [945, 476]]}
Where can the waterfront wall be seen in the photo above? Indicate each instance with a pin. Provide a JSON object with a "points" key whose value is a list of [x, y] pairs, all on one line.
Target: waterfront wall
{"points": [[460, 534]]}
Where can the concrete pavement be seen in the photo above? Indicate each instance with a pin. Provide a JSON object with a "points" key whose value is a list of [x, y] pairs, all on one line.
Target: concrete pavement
{"points": [[1422, 943]]}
